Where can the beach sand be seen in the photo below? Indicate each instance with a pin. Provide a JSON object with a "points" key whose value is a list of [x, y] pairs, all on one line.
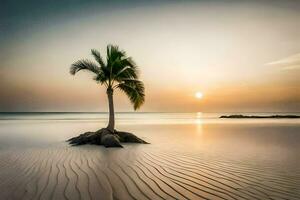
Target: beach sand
{"points": [[183, 161]]}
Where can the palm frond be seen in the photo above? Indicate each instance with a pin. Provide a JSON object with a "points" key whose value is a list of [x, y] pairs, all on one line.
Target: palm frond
{"points": [[125, 69], [98, 57], [101, 78], [84, 64], [135, 91], [114, 52]]}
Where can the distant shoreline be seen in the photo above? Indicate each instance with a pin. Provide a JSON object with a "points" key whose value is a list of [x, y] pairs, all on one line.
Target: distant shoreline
{"points": [[258, 117]]}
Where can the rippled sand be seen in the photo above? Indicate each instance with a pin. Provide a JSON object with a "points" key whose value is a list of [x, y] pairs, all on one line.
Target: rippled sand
{"points": [[191, 161]]}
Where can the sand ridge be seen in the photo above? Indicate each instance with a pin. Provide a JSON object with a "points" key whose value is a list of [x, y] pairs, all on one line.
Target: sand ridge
{"points": [[135, 172]]}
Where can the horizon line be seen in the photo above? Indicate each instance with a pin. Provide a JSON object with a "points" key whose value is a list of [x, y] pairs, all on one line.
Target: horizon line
{"points": [[59, 112]]}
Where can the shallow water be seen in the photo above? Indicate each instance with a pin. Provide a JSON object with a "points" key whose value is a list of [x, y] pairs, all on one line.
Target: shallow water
{"points": [[191, 156]]}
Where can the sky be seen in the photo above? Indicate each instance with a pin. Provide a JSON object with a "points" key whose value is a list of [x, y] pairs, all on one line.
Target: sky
{"points": [[244, 56]]}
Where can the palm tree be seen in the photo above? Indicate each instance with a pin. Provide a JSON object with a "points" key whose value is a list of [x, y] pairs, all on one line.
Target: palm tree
{"points": [[117, 72]]}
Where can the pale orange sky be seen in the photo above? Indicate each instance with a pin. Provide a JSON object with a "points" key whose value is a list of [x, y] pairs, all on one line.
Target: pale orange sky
{"points": [[242, 56]]}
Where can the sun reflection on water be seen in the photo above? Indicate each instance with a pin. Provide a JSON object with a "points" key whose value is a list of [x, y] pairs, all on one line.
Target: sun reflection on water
{"points": [[199, 122]]}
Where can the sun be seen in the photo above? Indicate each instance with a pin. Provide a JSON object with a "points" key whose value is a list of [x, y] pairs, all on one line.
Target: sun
{"points": [[199, 95]]}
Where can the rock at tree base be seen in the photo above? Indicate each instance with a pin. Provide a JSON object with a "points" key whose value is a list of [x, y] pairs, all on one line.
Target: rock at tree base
{"points": [[110, 140], [106, 138]]}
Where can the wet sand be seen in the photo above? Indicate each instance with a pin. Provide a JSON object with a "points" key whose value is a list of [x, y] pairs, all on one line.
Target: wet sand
{"points": [[187, 161]]}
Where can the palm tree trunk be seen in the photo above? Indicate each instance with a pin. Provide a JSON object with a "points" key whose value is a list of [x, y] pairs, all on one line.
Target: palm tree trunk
{"points": [[111, 122]]}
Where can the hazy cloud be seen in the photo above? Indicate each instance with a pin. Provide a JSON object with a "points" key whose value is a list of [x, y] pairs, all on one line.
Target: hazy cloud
{"points": [[289, 63]]}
